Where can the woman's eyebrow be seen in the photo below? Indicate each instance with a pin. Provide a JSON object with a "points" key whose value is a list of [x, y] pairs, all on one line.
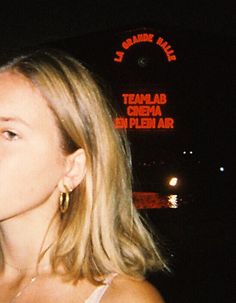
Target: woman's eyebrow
{"points": [[14, 119]]}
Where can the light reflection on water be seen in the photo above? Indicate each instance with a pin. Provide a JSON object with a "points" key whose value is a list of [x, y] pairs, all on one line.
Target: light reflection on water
{"points": [[173, 201], [154, 200]]}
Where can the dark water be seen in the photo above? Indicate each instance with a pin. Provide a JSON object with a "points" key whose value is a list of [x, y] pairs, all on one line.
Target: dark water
{"points": [[198, 240]]}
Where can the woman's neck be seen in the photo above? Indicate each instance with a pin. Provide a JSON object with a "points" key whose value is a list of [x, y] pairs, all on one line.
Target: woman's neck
{"points": [[25, 237]]}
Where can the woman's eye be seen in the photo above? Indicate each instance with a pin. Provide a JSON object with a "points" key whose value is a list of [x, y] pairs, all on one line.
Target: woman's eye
{"points": [[10, 135]]}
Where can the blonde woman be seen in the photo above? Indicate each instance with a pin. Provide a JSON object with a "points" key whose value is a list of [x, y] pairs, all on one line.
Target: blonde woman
{"points": [[68, 228]]}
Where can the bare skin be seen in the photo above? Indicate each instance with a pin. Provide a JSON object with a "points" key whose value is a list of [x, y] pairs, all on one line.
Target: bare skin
{"points": [[124, 289], [50, 289], [33, 171]]}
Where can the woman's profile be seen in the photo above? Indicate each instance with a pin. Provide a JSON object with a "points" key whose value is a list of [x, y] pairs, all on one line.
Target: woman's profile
{"points": [[68, 229]]}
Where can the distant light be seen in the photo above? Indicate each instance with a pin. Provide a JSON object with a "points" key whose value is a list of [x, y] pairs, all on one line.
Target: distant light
{"points": [[222, 168], [173, 181], [184, 152], [173, 201], [143, 61], [191, 152]]}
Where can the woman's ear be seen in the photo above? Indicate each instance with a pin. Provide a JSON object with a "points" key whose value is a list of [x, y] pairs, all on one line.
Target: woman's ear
{"points": [[75, 169]]}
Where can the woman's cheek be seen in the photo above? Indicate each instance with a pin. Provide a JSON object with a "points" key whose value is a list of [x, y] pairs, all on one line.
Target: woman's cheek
{"points": [[27, 180]]}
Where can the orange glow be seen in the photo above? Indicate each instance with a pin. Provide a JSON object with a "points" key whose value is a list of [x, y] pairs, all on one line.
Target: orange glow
{"points": [[167, 49], [153, 200], [144, 111], [144, 99], [165, 123], [119, 57], [144, 38], [144, 123], [121, 122]]}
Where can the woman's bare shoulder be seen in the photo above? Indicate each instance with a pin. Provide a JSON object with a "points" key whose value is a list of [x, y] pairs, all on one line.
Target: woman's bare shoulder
{"points": [[124, 289]]}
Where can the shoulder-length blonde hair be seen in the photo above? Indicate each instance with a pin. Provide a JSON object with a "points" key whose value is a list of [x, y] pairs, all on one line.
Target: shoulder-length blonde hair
{"points": [[101, 232]]}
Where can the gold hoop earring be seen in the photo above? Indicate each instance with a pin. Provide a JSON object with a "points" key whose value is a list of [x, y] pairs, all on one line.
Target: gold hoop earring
{"points": [[64, 201]]}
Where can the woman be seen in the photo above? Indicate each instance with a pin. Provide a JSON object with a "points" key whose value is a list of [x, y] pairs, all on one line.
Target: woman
{"points": [[68, 228]]}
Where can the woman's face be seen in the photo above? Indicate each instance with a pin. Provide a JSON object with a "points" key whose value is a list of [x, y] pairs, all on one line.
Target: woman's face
{"points": [[31, 161]]}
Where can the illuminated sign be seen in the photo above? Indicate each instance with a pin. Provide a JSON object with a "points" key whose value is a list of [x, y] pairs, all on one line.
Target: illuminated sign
{"points": [[154, 200], [144, 111], [144, 108], [145, 38]]}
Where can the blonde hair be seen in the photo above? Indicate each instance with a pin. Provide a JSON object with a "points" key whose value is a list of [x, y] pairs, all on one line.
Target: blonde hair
{"points": [[102, 231]]}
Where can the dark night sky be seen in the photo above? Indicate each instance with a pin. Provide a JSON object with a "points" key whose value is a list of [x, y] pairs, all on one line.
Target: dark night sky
{"points": [[203, 33], [46, 20]]}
